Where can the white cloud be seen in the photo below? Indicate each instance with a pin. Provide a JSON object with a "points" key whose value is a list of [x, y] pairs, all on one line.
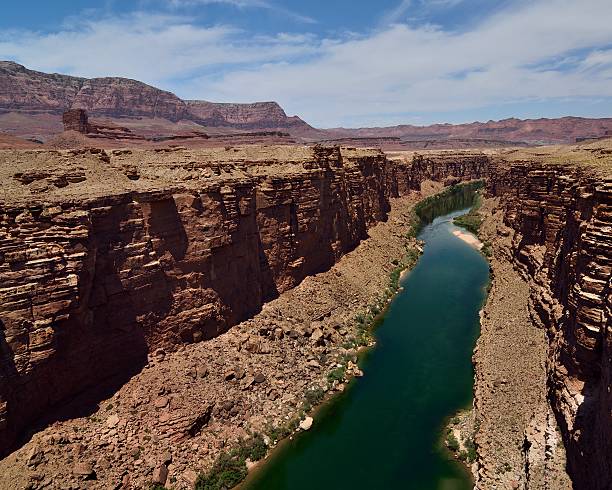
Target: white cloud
{"points": [[534, 51], [396, 14], [404, 69], [259, 4], [148, 47]]}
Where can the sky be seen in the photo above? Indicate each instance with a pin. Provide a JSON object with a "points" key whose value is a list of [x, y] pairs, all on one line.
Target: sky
{"points": [[352, 63]]}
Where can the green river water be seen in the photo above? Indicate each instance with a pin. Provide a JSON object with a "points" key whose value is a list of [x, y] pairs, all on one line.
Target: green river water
{"points": [[384, 431]]}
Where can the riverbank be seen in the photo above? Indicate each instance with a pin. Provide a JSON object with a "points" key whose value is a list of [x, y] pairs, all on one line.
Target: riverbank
{"points": [[518, 444], [253, 379]]}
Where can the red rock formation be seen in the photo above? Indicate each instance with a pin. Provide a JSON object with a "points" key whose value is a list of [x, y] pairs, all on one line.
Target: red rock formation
{"points": [[76, 120], [23, 89], [564, 246], [538, 131], [122, 97], [458, 166]]}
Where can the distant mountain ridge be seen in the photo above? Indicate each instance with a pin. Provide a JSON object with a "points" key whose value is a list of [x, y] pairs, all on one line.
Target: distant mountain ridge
{"points": [[533, 131], [31, 104], [27, 90]]}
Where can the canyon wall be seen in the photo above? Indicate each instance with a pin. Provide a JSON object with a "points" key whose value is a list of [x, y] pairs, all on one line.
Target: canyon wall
{"points": [[562, 214], [105, 257]]}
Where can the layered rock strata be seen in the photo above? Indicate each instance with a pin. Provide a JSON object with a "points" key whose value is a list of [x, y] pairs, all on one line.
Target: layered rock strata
{"points": [[519, 445], [108, 256], [78, 120], [561, 221]]}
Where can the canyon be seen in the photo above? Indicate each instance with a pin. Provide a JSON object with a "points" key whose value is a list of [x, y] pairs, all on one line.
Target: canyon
{"points": [[129, 276]]}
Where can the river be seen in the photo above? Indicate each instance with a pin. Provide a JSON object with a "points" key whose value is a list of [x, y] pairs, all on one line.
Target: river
{"points": [[384, 431]]}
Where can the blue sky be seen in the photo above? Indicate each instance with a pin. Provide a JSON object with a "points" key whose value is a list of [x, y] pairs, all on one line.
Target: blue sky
{"points": [[351, 63]]}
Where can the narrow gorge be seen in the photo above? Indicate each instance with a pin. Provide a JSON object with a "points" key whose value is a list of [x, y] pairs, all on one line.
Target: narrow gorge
{"points": [[161, 305]]}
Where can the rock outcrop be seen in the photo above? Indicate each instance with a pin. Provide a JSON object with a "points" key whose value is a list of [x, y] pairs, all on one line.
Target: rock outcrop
{"points": [[27, 90], [78, 120], [449, 168], [122, 97], [490, 133], [106, 257], [37, 94], [562, 215]]}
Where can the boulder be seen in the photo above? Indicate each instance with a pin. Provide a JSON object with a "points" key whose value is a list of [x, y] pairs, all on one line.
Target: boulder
{"points": [[306, 424], [160, 475]]}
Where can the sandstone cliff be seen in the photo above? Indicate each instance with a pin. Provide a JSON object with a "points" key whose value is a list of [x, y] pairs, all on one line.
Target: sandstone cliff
{"points": [[32, 91], [562, 215], [504, 132], [108, 256], [23, 89]]}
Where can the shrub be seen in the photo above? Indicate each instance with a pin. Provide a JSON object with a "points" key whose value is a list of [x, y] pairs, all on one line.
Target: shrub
{"points": [[230, 468], [336, 374], [451, 442], [226, 473], [314, 396], [487, 249], [253, 448], [470, 222], [282, 431], [470, 446]]}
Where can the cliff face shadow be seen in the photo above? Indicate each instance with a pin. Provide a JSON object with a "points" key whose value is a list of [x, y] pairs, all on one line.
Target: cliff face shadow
{"points": [[101, 344], [268, 284], [165, 221], [588, 445]]}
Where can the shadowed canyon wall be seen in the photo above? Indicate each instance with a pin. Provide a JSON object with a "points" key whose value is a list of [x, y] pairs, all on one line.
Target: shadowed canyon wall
{"points": [[107, 257], [563, 218]]}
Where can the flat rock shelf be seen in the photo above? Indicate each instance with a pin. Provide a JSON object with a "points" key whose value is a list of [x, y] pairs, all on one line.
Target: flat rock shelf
{"points": [[385, 430]]}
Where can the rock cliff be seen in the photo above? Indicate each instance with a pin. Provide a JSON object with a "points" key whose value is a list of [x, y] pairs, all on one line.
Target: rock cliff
{"points": [[31, 91], [23, 89], [562, 215], [105, 257], [259, 115]]}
